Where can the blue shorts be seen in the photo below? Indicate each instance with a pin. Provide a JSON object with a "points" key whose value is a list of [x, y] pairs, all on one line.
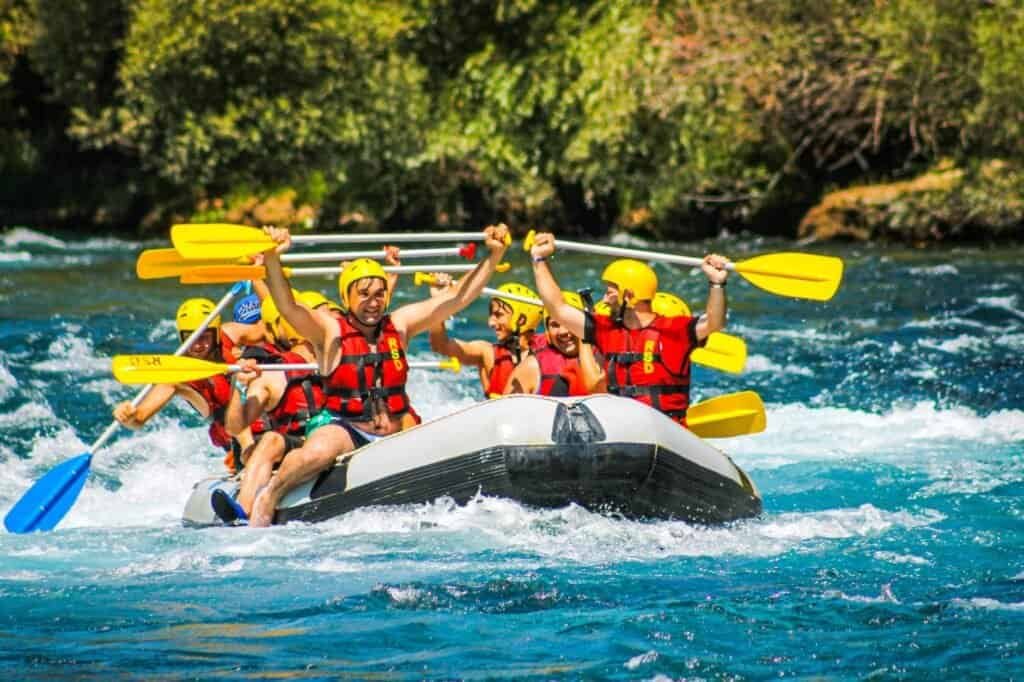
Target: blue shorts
{"points": [[359, 437]]}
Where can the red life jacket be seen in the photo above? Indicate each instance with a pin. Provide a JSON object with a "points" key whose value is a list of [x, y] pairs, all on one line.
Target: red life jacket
{"points": [[227, 347], [650, 364], [559, 374], [367, 375], [216, 391], [504, 364], [302, 398]]}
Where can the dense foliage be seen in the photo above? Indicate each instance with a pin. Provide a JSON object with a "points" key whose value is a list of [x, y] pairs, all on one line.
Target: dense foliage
{"points": [[676, 117]]}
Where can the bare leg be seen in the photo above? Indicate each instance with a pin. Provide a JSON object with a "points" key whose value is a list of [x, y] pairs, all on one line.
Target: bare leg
{"points": [[259, 467], [319, 453]]}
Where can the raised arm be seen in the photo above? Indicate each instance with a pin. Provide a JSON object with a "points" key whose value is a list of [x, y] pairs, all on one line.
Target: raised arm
{"points": [[298, 316], [418, 317], [572, 318], [714, 318]]}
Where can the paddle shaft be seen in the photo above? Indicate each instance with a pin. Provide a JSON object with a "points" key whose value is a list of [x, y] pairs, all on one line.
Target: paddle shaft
{"points": [[185, 345], [387, 238], [313, 367], [394, 269], [639, 254], [377, 253]]}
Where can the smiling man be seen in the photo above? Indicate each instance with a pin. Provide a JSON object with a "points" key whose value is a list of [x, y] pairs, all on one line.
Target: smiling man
{"points": [[361, 357]]}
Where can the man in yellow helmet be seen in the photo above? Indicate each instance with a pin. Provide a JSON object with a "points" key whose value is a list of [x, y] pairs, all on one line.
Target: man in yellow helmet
{"points": [[209, 397], [645, 356], [361, 357], [514, 324]]}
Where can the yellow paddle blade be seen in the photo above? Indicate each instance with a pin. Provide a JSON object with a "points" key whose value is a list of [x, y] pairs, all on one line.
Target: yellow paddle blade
{"points": [[798, 275], [163, 369], [158, 263], [216, 274], [735, 414], [219, 241], [452, 364], [724, 352]]}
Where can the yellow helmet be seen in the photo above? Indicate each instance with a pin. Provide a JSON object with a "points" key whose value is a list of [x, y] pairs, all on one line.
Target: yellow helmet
{"points": [[360, 268], [279, 327], [192, 312], [669, 305], [532, 313], [633, 275], [570, 297], [311, 299]]}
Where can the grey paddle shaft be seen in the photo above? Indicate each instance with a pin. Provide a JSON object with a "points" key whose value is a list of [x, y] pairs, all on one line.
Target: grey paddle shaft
{"points": [[620, 252], [396, 269], [495, 293], [375, 253], [311, 367], [387, 237], [185, 345]]}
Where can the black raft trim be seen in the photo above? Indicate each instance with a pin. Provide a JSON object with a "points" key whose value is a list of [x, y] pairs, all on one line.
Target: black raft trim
{"points": [[636, 480]]}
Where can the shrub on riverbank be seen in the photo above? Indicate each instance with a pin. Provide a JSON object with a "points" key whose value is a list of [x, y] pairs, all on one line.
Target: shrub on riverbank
{"points": [[676, 119]]}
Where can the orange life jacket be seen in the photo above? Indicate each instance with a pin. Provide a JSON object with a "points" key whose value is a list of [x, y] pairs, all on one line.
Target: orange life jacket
{"points": [[368, 375], [651, 364]]}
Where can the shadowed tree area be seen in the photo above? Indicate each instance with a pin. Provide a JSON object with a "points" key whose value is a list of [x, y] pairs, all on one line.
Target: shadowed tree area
{"points": [[897, 119]]}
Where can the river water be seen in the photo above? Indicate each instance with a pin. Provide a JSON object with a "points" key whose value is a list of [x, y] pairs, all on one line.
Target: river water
{"points": [[891, 544]]}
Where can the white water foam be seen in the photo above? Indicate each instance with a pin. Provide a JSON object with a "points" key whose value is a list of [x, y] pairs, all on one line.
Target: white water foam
{"points": [[164, 330], [987, 604], [73, 353], [22, 235], [761, 363], [15, 257], [7, 381], [935, 270], [156, 467], [895, 558], [801, 433], [964, 342]]}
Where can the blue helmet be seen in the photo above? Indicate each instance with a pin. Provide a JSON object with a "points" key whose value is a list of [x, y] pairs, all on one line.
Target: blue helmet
{"points": [[247, 310]]}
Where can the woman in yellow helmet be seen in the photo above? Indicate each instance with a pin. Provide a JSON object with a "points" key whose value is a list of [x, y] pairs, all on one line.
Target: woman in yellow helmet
{"points": [[361, 357], [514, 324], [553, 368], [209, 397], [646, 356], [276, 405]]}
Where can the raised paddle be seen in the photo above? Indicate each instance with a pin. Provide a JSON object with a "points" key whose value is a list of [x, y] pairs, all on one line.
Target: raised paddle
{"points": [[727, 416], [158, 263], [721, 351], [211, 274], [174, 369], [48, 501], [797, 275], [206, 242]]}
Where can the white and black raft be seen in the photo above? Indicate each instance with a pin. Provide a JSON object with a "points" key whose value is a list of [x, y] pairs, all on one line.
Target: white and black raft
{"points": [[604, 453]]}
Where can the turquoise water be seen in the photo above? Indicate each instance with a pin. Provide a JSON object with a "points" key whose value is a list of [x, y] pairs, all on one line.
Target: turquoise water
{"points": [[890, 546]]}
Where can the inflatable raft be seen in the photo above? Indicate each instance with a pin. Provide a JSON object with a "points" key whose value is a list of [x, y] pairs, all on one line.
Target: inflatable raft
{"points": [[602, 452]]}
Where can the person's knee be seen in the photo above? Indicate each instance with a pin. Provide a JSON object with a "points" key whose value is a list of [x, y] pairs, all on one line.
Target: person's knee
{"points": [[270, 448]]}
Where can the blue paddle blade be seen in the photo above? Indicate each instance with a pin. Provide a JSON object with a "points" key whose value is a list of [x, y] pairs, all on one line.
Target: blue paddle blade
{"points": [[46, 503]]}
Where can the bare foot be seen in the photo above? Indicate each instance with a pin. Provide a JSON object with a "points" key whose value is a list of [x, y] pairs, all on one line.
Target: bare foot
{"points": [[262, 514]]}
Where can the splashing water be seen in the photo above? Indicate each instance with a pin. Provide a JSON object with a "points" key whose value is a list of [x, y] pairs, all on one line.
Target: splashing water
{"points": [[891, 543]]}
